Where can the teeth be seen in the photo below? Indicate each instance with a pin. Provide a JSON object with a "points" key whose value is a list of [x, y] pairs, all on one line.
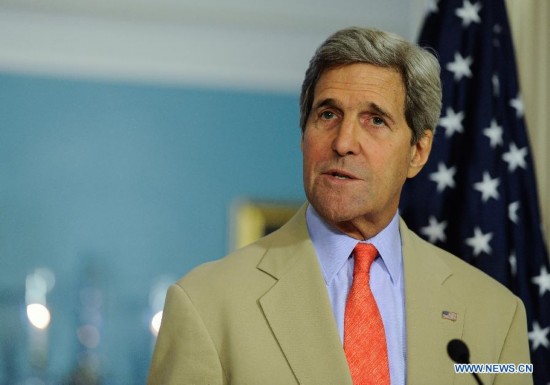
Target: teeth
{"points": [[338, 176]]}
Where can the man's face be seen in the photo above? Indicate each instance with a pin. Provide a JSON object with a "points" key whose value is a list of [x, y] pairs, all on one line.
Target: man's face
{"points": [[357, 150]]}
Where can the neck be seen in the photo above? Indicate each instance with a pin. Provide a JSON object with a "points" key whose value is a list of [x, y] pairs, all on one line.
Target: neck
{"points": [[362, 228]]}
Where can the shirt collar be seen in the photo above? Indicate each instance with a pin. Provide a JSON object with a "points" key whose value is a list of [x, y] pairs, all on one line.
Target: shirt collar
{"points": [[334, 248]]}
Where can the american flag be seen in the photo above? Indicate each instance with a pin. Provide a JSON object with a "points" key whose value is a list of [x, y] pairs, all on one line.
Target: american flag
{"points": [[477, 195]]}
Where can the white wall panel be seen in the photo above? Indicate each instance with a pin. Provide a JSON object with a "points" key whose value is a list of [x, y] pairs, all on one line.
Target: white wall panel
{"points": [[245, 44]]}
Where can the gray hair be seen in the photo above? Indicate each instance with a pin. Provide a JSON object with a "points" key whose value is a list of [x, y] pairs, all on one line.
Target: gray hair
{"points": [[418, 67]]}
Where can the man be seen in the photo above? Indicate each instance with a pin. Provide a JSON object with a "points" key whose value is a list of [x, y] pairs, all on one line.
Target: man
{"points": [[284, 310]]}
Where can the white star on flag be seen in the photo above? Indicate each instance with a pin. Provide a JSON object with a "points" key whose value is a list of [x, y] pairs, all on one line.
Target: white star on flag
{"points": [[494, 133], [444, 177], [513, 211], [513, 263], [452, 122], [480, 242], [460, 67], [517, 104], [539, 336], [515, 157], [542, 280], [435, 231], [469, 13], [487, 187]]}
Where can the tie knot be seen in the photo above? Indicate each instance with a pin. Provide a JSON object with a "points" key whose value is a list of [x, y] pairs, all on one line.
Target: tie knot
{"points": [[364, 254]]}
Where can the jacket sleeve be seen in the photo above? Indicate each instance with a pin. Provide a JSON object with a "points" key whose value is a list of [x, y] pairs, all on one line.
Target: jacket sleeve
{"points": [[516, 349], [184, 352]]}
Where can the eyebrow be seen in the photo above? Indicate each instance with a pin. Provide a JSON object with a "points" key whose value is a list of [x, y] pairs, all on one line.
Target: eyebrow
{"points": [[381, 111], [326, 102]]}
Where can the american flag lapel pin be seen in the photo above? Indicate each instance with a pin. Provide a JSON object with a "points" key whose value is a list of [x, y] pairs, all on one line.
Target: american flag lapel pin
{"points": [[449, 315]]}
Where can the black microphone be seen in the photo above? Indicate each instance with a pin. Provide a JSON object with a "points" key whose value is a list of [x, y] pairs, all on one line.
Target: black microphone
{"points": [[459, 353]]}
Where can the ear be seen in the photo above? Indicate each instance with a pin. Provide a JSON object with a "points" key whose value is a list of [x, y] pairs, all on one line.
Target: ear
{"points": [[420, 153]]}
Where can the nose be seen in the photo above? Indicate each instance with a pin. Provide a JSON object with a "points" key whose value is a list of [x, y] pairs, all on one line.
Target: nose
{"points": [[346, 142]]}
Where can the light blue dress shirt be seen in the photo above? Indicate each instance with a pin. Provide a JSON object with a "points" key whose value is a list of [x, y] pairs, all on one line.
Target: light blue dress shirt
{"points": [[334, 251]]}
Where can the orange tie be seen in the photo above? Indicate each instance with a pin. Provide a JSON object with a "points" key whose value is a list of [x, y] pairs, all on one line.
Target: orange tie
{"points": [[364, 336]]}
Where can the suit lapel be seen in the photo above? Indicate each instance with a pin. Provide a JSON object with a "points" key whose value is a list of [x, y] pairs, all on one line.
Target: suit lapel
{"points": [[298, 310], [426, 298]]}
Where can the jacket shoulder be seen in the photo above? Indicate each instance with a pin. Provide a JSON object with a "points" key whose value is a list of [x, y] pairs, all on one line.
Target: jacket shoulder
{"points": [[462, 277]]}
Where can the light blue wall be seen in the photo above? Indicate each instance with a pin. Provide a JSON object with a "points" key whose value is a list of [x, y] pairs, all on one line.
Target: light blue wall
{"points": [[133, 181]]}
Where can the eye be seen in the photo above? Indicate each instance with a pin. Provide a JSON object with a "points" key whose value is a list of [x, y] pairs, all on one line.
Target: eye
{"points": [[328, 115], [378, 121]]}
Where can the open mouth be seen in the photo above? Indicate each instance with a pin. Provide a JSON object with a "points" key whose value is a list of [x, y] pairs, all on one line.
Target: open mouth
{"points": [[340, 175]]}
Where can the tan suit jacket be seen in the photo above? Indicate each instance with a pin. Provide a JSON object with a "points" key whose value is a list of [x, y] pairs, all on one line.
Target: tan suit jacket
{"points": [[262, 316]]}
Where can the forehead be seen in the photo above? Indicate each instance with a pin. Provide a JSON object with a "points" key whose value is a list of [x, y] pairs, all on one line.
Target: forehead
{"points": [[361, 80]]}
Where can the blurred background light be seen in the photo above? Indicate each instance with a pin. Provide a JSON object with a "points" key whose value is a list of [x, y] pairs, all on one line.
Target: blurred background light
{"points": [[155, 323], [89, 336], [37, 284], [38, 315]]}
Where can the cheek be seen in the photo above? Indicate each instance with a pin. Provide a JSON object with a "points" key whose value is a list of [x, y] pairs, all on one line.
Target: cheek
{"points": [[310, 151], [393, 162], [402, 166], [307, 158]]}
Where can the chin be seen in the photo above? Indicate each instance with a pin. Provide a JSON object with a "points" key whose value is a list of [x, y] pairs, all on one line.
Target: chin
{"points": [[333, 211]]}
